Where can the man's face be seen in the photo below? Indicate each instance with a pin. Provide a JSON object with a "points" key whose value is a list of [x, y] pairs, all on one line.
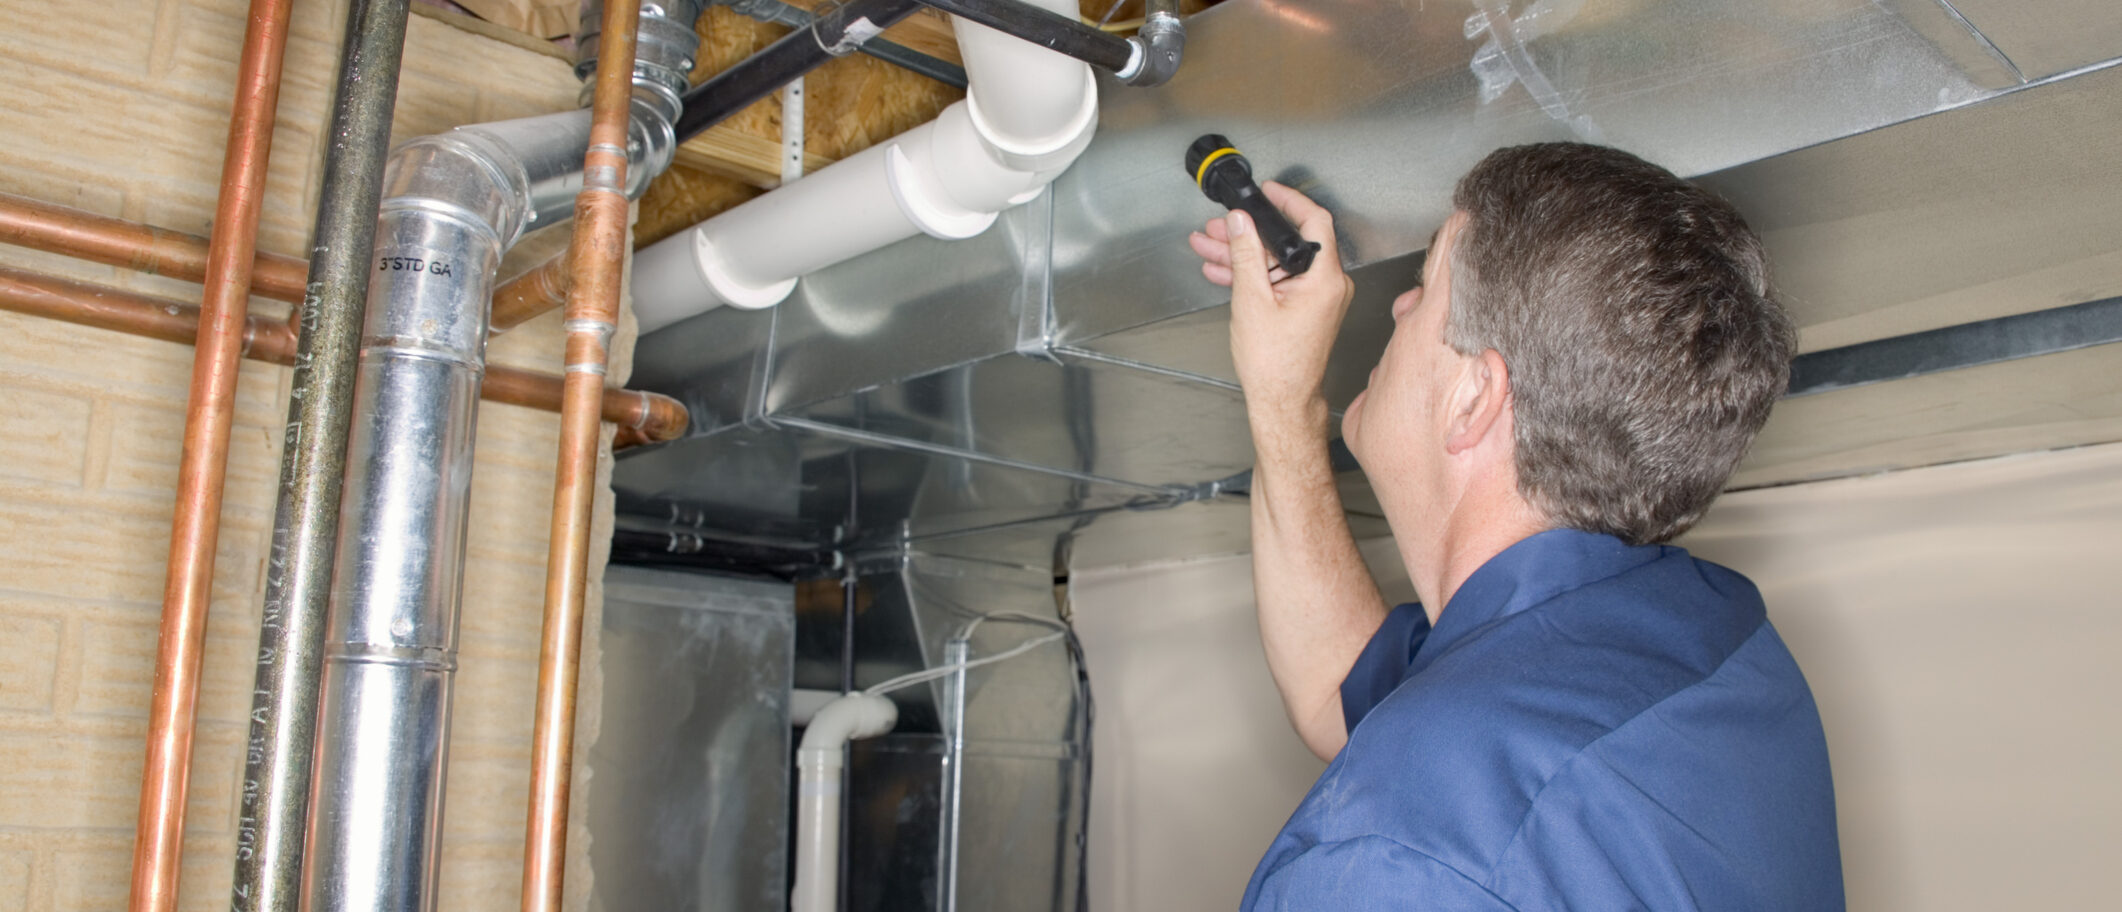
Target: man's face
{"points": [[1397, 422]]}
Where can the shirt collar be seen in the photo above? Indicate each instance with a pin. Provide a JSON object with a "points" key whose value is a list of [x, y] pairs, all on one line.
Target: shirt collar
{"points": [[1536, 569]]}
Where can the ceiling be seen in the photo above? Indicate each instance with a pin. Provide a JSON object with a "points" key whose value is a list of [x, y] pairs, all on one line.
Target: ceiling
{"points": [[1065, 378]]}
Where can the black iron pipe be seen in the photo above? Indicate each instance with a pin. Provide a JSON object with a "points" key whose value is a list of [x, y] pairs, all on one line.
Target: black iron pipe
{"points": [[692, 551], [834, 34], [899, 55], [275, 811], [1047, 30]]}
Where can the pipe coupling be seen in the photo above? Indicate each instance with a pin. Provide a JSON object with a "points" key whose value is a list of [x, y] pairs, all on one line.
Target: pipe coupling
{"points": [[664, 45]]}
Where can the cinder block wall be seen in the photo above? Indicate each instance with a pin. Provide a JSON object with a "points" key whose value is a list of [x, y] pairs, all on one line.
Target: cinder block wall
{"points": [[122, 108]]}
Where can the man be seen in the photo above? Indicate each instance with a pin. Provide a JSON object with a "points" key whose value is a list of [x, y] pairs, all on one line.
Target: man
{"points": [[1575, 716]]}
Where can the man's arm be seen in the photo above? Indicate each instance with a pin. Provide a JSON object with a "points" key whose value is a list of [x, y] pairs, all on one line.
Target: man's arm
{"points": [[1318, 605]]}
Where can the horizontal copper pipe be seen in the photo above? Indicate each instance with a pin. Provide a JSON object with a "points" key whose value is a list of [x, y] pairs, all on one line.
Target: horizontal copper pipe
{"points": [[532, 293], [52, 228], [642, 417], [39, 225]]}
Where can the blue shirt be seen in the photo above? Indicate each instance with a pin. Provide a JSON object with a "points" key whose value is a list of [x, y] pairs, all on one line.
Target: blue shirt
{"points": [[1590, 726]]}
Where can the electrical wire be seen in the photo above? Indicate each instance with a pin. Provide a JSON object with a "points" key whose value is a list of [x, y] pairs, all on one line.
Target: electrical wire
{"points": [[922, 677], [1087, 719]]}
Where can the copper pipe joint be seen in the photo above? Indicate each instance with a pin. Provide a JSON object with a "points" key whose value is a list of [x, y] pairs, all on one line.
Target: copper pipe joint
{"points": [[542, 289], [597, 256]]}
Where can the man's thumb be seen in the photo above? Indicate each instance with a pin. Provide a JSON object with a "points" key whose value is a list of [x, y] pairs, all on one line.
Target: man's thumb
{"points": [[1248, 261]]}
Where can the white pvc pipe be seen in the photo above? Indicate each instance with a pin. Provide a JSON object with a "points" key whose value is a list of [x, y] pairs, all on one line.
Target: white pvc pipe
{"points": [[1027, 115], [818, 765]]}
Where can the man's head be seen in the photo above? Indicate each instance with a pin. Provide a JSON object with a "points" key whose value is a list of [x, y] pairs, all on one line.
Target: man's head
{"points": [[1622, 315]]}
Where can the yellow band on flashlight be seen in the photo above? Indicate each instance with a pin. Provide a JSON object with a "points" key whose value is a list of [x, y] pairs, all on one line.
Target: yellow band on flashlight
{"points": [[1201, 173]]}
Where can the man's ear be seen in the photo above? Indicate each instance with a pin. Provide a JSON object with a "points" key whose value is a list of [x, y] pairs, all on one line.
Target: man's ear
{"points": [[1479, 399]]}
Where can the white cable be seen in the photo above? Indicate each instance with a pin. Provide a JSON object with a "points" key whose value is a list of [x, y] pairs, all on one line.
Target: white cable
{"points": [[966, 632], [921, 677]]}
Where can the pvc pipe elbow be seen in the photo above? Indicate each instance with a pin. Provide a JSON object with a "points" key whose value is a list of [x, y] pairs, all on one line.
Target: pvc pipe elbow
{"points": [[1047, 146], [856, 715]]}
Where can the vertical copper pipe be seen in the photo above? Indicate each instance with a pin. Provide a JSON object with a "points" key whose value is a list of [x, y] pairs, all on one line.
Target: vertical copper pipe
{"points": [[158, 844], [158, 251], [599, 254]]}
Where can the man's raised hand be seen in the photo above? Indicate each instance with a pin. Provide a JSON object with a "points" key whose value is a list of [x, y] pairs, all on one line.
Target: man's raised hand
{"points": [[1282, 327]]}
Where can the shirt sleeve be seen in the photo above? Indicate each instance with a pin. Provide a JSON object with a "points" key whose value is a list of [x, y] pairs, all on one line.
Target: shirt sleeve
{"points": [[1383, 663], [1371, 873]]}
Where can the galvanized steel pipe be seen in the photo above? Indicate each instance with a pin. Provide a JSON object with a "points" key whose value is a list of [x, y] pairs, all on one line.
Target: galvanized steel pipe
{"points": [[274, 817], [195, 529], [452, 204]]}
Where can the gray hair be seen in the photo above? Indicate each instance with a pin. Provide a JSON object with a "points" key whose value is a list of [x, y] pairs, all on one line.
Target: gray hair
{"points": [[1634, 312]]}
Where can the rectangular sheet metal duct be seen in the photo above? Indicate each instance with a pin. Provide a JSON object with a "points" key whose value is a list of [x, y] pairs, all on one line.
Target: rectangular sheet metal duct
{"points": [[1070, 364]]}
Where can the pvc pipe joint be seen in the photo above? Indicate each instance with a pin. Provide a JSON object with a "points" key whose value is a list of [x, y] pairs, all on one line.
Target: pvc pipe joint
{"points": [[818, 765]]}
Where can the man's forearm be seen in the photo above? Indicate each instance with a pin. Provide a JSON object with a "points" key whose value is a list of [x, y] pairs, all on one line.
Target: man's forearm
{"points": [[1318, 605]]}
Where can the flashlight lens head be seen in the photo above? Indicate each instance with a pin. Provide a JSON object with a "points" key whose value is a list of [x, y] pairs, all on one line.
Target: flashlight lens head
{"points": [[1209, 144]]}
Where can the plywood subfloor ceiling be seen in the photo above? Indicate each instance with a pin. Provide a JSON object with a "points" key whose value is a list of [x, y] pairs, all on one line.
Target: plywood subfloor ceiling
{"points": [[850, 103]]}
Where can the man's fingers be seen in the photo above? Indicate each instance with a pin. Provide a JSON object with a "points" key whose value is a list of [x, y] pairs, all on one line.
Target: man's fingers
{"points": [[1248, 261], [1312, 220], [1209, 249], [1216, 274]]}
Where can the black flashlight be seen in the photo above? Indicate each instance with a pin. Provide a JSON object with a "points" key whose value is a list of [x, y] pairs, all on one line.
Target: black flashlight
{"points": [[1227, 178]]}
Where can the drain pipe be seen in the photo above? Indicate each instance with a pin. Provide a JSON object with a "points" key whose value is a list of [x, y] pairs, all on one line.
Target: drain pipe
{"points": [[452, 204], [1029, 112], [819, 761], [598, 255]]}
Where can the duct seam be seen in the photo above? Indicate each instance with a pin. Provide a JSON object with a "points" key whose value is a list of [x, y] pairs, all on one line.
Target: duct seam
{"points": [[1504, 57]]}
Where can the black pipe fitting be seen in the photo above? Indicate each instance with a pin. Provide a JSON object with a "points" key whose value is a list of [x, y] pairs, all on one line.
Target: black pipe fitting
{"points": [[1045, 29], [1161, 42]]}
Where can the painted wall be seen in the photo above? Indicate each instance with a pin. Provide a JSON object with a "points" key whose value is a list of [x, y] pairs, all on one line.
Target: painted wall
{"points": [[1958, 624], [122, 109]]}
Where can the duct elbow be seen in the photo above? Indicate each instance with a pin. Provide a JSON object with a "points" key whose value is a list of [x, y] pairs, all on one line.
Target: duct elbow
{"points": [[462, 176]]}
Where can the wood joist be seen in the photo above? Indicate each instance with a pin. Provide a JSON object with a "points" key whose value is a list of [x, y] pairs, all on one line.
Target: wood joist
{"points": [[851, 103]]}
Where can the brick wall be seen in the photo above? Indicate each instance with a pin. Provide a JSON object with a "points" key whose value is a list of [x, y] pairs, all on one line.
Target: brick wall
{"points": [[121, 108]]}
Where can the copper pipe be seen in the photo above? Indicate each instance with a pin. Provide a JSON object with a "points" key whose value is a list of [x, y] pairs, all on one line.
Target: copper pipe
{"points": [[598, 254], [532, 293], [49, 227], [195, 529], [641, 416], [653, 416], [39, 225]]}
